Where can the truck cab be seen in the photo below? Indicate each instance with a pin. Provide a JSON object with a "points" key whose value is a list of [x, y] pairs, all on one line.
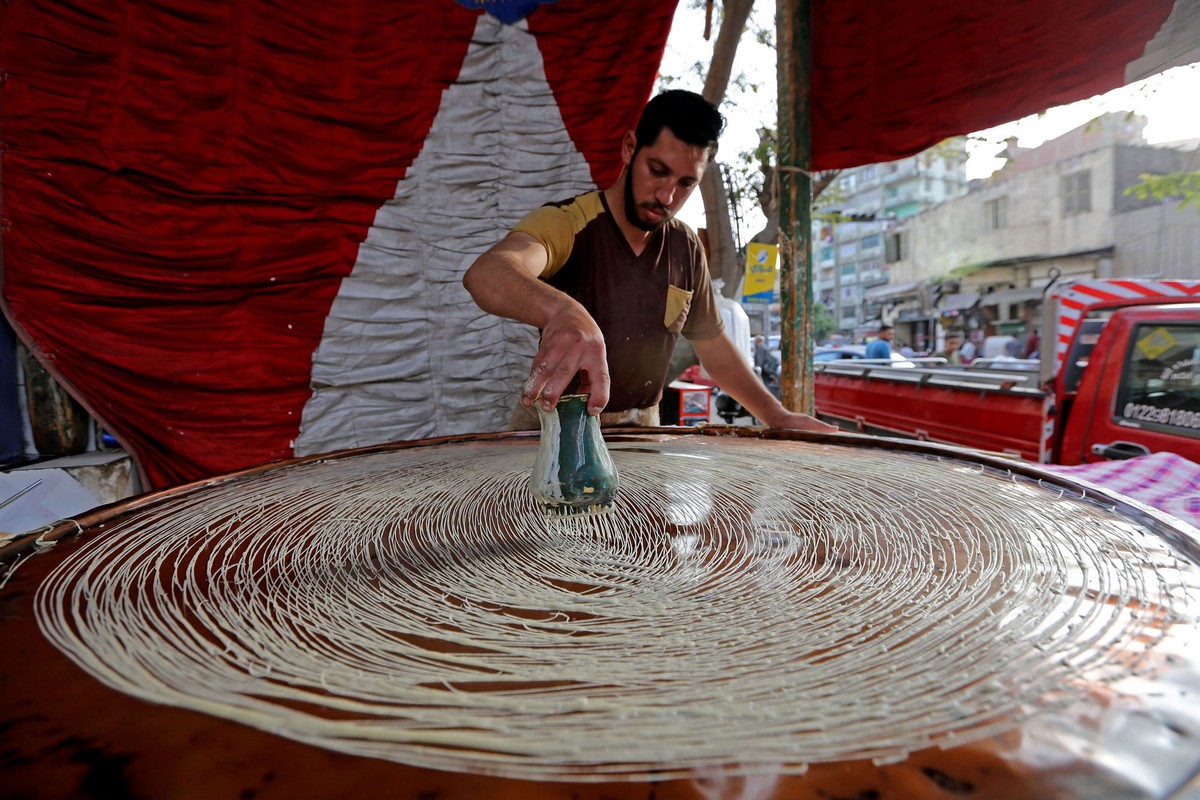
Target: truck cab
{"points": [[1132, 385]]}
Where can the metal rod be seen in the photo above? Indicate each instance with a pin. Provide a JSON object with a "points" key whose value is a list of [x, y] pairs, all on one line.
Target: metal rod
{"points": [[28, 488]]}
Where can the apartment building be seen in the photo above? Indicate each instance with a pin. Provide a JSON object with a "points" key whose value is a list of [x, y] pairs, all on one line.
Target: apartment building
{"points": [[981, 261], [854, 217]]}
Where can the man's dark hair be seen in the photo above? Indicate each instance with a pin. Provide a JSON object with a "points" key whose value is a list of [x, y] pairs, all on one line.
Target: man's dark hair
{"points": [[690, 117], [883, 328]]}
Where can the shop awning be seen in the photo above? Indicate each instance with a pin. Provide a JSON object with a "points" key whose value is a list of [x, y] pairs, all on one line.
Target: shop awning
{"points": [[893, 291], [1009, 296], [957, 302]]}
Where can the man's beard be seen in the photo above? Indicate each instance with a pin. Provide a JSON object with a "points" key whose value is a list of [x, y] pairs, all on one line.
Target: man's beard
{"points": [[631, 211]]}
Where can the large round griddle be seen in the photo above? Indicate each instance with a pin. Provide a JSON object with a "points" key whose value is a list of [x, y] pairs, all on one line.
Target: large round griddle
{"points": [[756, 607]]}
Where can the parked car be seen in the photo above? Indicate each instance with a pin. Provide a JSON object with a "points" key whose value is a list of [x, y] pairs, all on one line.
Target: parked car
{"points": [[822, 354], [838, 353]]}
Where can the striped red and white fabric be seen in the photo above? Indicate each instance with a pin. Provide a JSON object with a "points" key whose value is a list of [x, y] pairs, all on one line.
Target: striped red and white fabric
{"points": [[1074, 300]]}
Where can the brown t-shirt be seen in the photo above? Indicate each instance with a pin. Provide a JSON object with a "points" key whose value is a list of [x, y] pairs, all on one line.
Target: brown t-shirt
{"points": [[641, 302]]}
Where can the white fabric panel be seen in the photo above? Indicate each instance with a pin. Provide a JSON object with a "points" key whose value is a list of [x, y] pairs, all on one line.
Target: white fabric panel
{"points": [[1176, 43], [406, 354], [737, 326]]}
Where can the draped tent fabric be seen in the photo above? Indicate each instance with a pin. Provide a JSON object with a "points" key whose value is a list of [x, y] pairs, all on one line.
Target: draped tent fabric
{"points": [[236, 231], [402, 334], [187, 185], [893, 78]]}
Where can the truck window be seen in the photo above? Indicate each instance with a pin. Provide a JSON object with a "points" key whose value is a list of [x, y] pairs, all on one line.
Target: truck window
{"points": [[1081, 349], [1160, 384]]}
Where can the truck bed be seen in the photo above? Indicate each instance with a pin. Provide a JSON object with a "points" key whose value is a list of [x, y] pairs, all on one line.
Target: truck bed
{"points": [[992, 410]]}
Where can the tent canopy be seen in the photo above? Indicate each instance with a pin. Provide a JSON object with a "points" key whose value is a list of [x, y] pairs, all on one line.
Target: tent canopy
{"points": [[236, 231]]}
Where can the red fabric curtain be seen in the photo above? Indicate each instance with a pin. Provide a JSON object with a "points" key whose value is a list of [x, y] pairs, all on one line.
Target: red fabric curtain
{"points": [[186, 184], [890, 79]]}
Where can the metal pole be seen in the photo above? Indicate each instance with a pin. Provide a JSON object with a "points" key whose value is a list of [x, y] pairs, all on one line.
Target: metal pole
{"points": [[793, 31]]}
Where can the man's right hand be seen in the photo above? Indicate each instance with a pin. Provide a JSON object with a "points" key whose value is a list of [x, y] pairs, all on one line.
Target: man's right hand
{"points": [[505, 281], [571, 345]]}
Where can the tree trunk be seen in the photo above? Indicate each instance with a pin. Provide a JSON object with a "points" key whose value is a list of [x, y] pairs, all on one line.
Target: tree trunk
{"points": [[722, 254]]}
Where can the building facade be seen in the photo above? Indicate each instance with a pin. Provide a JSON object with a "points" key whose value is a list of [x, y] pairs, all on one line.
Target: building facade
{"points": [[854, 216], [980, 262]]}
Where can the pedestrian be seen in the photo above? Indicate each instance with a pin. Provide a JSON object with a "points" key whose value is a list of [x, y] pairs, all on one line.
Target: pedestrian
{"points": [[762, 353], [881, 346], [952, 350], [612, 280], [968, 351], [1032, 345]]}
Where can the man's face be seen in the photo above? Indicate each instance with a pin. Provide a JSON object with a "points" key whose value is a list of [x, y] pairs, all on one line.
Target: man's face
{"points": [[887, 335], [953, 343], [659, 178]]}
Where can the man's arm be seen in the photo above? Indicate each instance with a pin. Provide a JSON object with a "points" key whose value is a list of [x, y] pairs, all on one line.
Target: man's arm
{"points": [[731, 372], [504, 281]]}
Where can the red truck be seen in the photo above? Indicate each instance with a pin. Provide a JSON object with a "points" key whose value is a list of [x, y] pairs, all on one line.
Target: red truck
{"points": [[1119, 377]]}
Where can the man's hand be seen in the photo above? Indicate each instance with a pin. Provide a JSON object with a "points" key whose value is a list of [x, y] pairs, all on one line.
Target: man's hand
{"points": [[798, 422], [571, 344], [505, 281]]}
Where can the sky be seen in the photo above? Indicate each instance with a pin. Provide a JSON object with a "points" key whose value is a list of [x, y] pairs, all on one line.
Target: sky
{"points": [[1168, 101]]}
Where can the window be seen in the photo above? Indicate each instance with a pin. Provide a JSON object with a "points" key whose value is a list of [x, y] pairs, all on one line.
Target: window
{"points": [[895, 247], [870, 242], [1076, 191], [1081, 349], [1160, 386], [849, 270], [995, 214], [848, 250], [868, 173]]}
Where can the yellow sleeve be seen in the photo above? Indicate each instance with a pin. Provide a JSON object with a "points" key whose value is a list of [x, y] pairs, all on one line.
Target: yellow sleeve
{"points": [[556, 226]]}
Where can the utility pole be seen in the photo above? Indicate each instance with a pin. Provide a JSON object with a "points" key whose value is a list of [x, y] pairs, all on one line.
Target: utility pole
{"points": [[794, 32]]}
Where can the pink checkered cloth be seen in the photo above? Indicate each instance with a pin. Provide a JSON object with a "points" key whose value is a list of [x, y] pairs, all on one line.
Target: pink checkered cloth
{"points": [[1164, 481]]}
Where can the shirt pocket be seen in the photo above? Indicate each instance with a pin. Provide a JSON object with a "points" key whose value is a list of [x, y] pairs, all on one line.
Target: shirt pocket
{"points": [[679, 301]]}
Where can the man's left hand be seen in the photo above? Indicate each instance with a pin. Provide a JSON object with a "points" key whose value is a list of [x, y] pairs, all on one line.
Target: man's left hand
{"points": [[798, 422]]}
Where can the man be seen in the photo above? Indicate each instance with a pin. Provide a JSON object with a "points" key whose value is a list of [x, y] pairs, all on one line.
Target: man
{"points": [[612, 279], [952, 352], [765, 362], [881, 346], [1032, 345], [761, 351]]}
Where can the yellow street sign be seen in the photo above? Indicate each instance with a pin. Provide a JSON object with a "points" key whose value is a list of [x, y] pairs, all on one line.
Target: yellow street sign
{"points": [[760, 272]]}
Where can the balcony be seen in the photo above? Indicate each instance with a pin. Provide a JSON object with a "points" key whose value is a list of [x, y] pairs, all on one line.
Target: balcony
{"points": [[901, 172]]}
